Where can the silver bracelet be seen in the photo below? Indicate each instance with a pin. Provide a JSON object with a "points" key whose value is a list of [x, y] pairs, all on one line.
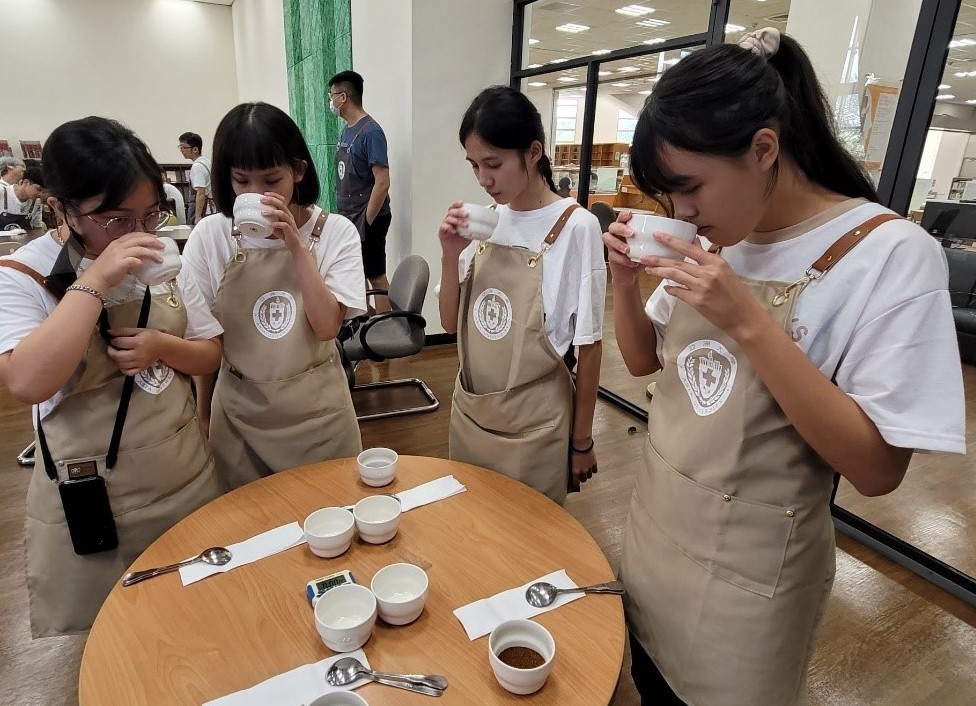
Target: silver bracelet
{"points": [[88, 290]]}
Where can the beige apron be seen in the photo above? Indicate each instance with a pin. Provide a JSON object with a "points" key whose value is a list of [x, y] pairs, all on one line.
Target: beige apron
{"points": [[513, 400], [163, 473], [728, 554], [281, 399]]}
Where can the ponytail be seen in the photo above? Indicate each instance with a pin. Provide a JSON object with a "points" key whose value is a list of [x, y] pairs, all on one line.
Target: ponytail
{"points": [[507, 119], [545, 168], [716, 99]]}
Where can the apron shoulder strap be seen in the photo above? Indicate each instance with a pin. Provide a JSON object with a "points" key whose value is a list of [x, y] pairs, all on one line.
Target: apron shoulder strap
{"points": [[29, 271], [319, 224], [558, 227], [846, 242]]}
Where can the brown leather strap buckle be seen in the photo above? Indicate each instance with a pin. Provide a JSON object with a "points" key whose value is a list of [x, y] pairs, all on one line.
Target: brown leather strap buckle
{"points": [[834, 254], [553, 234], [317, 230]]}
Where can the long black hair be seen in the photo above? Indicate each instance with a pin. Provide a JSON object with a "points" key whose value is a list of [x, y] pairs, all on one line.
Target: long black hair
{"points": [[97, 157], [506, 119], [716, 99], [260, 136]]}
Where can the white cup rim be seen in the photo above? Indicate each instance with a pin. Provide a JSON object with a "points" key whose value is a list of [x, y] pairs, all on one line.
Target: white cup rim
{"points": [[322, 603], [527, 625], [401, 601], [357, 518], [332, 511]]}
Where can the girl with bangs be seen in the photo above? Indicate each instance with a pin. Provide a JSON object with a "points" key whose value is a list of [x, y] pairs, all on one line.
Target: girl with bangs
{"points": [[813, 338], [281, 398]]}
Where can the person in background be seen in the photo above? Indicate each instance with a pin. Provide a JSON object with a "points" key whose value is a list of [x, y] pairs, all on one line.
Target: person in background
{"points": [[191, 147], [793, 349], [30, 191], [70, 344], [179, 205], [520, 302], [363, 170], [11, 172], [281, 399]]}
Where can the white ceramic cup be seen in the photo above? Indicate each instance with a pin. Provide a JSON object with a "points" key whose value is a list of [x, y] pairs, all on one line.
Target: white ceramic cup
{"points": [[644, 243], [249, 216], [401, 592], [340, 698], [377, 518], [153, 273], [329, 531], [521, 633], [481, 222], [377, 467], [344, 617]]}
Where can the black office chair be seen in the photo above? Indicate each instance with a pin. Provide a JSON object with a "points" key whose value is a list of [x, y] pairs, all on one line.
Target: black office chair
{"points": [[392, 334]]}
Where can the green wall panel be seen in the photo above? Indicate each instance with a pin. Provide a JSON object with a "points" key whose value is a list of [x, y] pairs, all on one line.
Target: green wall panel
{"points": [[318, 45]]}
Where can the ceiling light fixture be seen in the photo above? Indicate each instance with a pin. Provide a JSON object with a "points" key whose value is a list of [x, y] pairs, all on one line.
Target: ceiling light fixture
{"points": [[535, 66], [957, 43], [559, 61], [657, 40], [620, 85], [627, 69], [601, 52], [537, 84], [572, 28], [533, 41], [944, 86], [644, 93], [634, 10], [945, 97], [567, 79], [652, 23]]}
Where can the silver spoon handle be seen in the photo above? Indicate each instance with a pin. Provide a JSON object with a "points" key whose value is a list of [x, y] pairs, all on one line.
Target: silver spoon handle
{"points": [[407, 685], [434, 681], [137, 576], [614, 587]]}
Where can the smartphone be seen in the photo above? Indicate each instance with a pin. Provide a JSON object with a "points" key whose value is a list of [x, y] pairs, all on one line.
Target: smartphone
{"points": [[89, 515]]}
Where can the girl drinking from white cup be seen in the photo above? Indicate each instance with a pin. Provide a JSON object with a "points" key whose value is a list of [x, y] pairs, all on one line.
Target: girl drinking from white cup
{"points": [[106, 361], [281, 290], [816, 339], [518, 302]]}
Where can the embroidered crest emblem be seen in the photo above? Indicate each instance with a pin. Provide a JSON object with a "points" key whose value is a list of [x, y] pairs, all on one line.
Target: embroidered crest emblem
{"points": [[342, 170], [493, 314], [155, 378], [707, 370], [274, 314]]}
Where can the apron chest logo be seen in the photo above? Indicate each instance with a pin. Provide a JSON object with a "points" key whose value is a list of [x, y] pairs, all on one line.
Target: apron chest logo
{"points": [[342, 170], [707, 370], [155, 378], [274, 314], [493, 314]]}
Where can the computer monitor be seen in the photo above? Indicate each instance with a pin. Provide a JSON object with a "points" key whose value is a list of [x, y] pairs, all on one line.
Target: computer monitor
{"points": [[950, 219]]}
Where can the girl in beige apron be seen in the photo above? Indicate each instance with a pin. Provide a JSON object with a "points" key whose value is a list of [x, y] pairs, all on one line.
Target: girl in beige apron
{"points": [[515, 409], [160, 469], [728, 553], [281, 399]]}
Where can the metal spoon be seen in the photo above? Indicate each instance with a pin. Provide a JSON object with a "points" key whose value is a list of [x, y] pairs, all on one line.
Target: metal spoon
{"points": [[215, 556], [349, 669], [542, 594]]}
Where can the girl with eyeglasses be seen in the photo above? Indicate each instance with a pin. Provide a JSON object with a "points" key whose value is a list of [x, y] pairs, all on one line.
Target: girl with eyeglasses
{"points": [[106, 363], [282, 398]]}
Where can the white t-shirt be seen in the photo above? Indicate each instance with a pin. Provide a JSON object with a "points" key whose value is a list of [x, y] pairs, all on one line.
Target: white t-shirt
{"points": [[173, 193], [9, 203], [574, 275], [879, 323], [200, 174], [210, 248], [26, 304]]}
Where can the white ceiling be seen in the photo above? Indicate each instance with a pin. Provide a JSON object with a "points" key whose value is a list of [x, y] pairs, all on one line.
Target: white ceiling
{"points": [[962, 59]]}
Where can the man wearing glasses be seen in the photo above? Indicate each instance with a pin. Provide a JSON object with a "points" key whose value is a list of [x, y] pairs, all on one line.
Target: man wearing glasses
{"points": [[191, 147], [363, 171]]}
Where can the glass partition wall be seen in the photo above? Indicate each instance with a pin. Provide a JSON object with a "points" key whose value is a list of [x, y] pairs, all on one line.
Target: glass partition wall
{"points": [[588, 65]]}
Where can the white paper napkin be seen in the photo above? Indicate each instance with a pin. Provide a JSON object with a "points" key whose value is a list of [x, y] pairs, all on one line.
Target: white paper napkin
{"points": [[430, 492], [298, 687], [481, 617], [250, 550]]}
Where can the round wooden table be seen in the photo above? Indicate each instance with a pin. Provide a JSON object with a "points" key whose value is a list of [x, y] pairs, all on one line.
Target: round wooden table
{"points": [[159, 642]]}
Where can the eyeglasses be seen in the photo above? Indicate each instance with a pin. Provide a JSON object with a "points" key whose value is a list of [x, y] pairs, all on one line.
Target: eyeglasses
{"points": [[340, 93], [123, 225]]}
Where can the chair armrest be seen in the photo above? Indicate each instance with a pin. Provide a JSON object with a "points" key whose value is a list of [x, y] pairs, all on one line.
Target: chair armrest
{"points": [[411, 316], [381, 292]]}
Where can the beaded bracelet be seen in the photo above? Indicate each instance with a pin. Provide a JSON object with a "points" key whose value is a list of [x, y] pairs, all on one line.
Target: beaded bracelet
{"points": [[88, 290], [582, 451]]}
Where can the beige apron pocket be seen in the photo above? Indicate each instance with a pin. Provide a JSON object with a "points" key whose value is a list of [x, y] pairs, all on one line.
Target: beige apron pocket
{"points": [[279, 403], [516, 411], [742, 542]]}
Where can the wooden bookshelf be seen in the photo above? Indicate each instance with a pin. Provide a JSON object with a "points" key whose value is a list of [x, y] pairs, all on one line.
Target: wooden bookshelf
{"points": [[179, 176], [604, 154]]}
